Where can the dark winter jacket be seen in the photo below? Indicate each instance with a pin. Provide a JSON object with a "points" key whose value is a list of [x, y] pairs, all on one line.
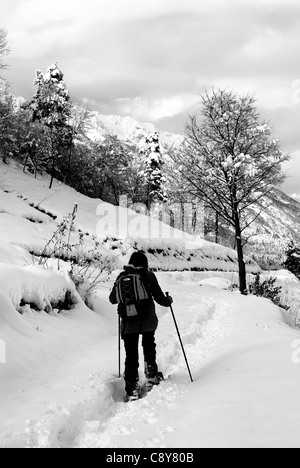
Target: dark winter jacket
{"points": [[149, 321]]}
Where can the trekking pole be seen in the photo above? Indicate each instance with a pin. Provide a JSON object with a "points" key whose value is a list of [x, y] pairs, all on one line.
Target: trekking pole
{"points": [[191, 377], [119, 345]]}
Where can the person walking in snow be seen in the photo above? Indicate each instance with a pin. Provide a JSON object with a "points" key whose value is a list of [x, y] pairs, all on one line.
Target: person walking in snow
{"points": [[135, 291]]}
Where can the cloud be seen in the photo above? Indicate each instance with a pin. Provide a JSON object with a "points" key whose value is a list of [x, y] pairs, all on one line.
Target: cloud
{"points": [[151, 58], [158, 48], [156, 109]]}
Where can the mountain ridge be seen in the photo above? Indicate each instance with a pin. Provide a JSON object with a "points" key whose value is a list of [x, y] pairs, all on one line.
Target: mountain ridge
{"points": [[129, 129]]}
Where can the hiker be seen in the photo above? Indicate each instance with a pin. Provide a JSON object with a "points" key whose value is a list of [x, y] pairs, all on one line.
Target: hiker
{"points": [[139, 318]]}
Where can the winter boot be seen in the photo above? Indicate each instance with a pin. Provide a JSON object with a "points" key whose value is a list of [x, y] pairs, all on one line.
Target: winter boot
{"points": [[133, 395], [154, 381]]}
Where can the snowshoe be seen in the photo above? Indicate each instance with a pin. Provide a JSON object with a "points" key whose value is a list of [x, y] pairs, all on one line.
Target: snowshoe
{"points": [[154, 381], [136, 395]]}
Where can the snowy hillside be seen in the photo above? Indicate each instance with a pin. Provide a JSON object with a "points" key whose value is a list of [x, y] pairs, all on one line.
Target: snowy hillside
{"points": [[29, 213], [296, 197], [281, 220]]}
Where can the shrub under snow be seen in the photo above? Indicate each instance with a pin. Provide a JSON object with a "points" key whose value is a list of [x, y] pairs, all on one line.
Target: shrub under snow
{"points": [[42, 289]]}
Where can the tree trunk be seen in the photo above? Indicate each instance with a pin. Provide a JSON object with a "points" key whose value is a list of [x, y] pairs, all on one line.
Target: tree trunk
{"points": [[25, 163], [35, 162], [53, 157], [148, 201], [194, 219], [240, 253], [5, 156], [182, 227], [217, 231], [69, 162], [52, 172], [53, 168]]}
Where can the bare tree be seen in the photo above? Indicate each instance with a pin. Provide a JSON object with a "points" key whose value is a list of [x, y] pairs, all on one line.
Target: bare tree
{"points": [[4, 48], [231, 161]]}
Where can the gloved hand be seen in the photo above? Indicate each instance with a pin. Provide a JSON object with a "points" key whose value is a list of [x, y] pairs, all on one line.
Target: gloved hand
{"points": [[170, 299]]}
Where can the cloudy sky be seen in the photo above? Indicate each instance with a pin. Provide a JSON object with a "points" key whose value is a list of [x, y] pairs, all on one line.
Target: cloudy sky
{"points": [[152, 58]]}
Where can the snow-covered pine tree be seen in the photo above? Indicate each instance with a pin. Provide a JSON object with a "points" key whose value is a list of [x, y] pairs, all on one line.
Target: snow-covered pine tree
{"points": [[51, 106], [153, 172]]}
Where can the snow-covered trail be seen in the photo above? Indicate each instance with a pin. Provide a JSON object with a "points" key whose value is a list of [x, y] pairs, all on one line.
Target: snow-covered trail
{"points": [[80, 402], [245, 392], [148, 422]]}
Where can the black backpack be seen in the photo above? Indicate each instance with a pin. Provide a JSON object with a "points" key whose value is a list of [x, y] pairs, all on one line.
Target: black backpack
{"points": [[133, 293]]}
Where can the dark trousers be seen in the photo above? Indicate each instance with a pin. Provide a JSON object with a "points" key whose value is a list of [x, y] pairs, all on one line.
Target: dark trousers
{"points": [[131, 342]]}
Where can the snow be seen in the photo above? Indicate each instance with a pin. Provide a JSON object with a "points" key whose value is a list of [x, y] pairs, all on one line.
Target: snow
{"points": [[13, 206], [248, 391], [58, 368], [34, 285], [296, 197], [14, 255], [29, 214], [22, 329], [239, 350], [128, 129], [218, 283]]}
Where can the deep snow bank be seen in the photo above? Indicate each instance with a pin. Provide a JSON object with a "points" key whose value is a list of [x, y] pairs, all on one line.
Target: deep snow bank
{"points": [[246, 396], [32, 329], [35, 286], [27, 296]]}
